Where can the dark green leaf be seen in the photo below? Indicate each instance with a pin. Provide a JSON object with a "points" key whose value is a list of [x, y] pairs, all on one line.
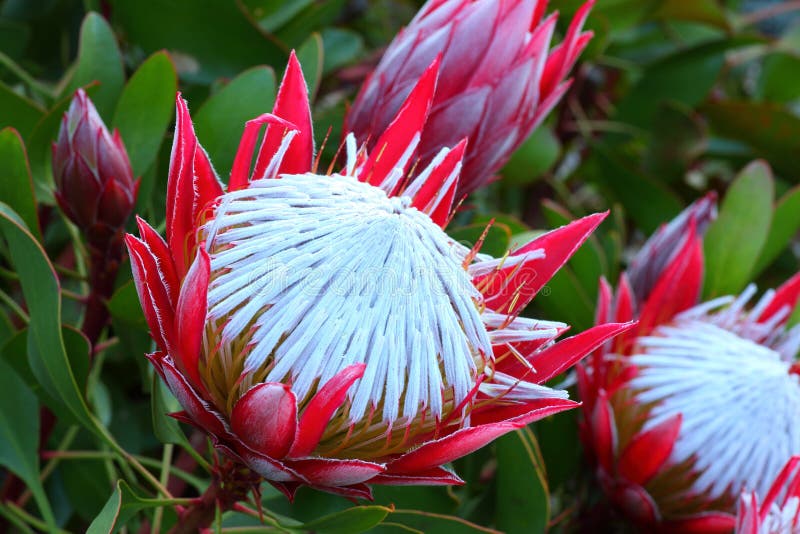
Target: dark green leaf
{"points": [[780, 77], [705, 11], [17, 111], [785, 224], [16, 185], [144, 112], [220, 121], [733, 242], [195, 36], [19, 435], [166, 429], [99, 60], [341, 47], [353, 520], [523, 500]]}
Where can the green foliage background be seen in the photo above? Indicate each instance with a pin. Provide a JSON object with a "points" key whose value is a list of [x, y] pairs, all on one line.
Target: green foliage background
{"points": [[672, 99]]}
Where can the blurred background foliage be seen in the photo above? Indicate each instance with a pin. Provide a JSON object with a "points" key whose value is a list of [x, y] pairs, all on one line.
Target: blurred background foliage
{"points": [[671, 100]]}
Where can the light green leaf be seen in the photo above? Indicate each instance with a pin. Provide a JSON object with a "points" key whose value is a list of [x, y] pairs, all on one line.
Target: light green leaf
{"points": [[144, 112], [99, 60], [19, 435], [785, 224], [533, 158], [734, 241], [16, 185], [120, 507], [219, 122]]}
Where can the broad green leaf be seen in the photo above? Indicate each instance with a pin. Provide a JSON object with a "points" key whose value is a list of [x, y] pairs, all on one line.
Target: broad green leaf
{"points": [[666, 80], [272, 14], [341, 47], [733, 242], [165, 428], [522, 501], [533, 158], [19, 435], [16, 185], [780, 77], [678, 137], [705, 11], [315, 16], [195, 36], [310, 55], [49, 360], [17, 111], [99, 60], [350, 521], [120, 507], [220, 120], [86, 482], [785, 224], [647, 201], [144, 112], [769, 129]]}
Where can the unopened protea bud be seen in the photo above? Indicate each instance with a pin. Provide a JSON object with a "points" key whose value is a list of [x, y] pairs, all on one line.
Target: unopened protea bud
{"points": [[325, 330], [94, 181], [499, 79], [701, 400]]}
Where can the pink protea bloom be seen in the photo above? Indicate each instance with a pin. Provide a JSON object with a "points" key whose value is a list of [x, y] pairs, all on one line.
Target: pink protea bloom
{"points": [[93, 177], [779, 512], [499, 79], [324, 329], [700, 400]]}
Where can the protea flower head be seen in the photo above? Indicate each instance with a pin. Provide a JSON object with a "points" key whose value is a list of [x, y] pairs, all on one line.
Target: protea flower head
{"points": [[94, 181], [779, 512], [700, 400], [499, 79], [323, 328]]}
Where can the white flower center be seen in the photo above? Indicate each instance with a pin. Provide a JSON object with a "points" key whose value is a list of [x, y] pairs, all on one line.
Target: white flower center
{"points": [[740, 403], [317, 273]]}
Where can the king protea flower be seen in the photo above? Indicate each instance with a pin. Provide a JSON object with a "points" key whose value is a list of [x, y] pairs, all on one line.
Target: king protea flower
{"points": [[499, 79], [700, 401], [325, 330], [779, 512]]}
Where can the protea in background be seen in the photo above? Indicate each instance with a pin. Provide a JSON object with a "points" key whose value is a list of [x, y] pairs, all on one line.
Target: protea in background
{"points": [[700, 401], [96, 190], [779, 511], [499, 79], [324, 330]]}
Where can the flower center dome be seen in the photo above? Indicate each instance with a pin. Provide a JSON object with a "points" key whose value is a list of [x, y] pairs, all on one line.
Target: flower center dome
{"points": [[311, 274], [738, 398]]}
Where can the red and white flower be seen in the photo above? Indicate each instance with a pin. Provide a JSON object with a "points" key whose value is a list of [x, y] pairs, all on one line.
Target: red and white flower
{"points": [[499, 78], [700, 400], [779, 512], [324, 329]]}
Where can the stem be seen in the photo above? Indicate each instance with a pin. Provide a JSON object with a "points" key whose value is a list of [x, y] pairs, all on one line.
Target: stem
{"points": [[105, 257], [229, 485], [166, 460]]}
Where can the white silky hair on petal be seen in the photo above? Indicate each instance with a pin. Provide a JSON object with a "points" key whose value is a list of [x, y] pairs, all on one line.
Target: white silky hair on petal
{"points": [[322, 272], [739, 401]]}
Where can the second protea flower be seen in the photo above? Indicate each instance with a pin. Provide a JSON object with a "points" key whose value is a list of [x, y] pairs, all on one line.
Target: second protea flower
{"points": [[324, 329], [499, 79], [700, 401]]}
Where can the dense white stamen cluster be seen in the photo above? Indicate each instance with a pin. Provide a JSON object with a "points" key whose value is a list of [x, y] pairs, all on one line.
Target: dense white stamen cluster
{"points": [[321, 272], [729, 376]]}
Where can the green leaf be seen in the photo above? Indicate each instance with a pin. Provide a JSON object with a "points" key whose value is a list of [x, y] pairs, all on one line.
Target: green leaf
{"points": [[353, 520], [705, 11], [194, 35], [272, 14], [785, 224], [310, 55], [533, 158], [49, 360], [99, 59], [144, 112], [18, 111], [165, 428], [220, 120], [522, 501], [780, 78], [769, 129], [733, 242], [666, 80], [678, 137], [120, 507], [16, 185], [19, 435], [341, 47]]}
